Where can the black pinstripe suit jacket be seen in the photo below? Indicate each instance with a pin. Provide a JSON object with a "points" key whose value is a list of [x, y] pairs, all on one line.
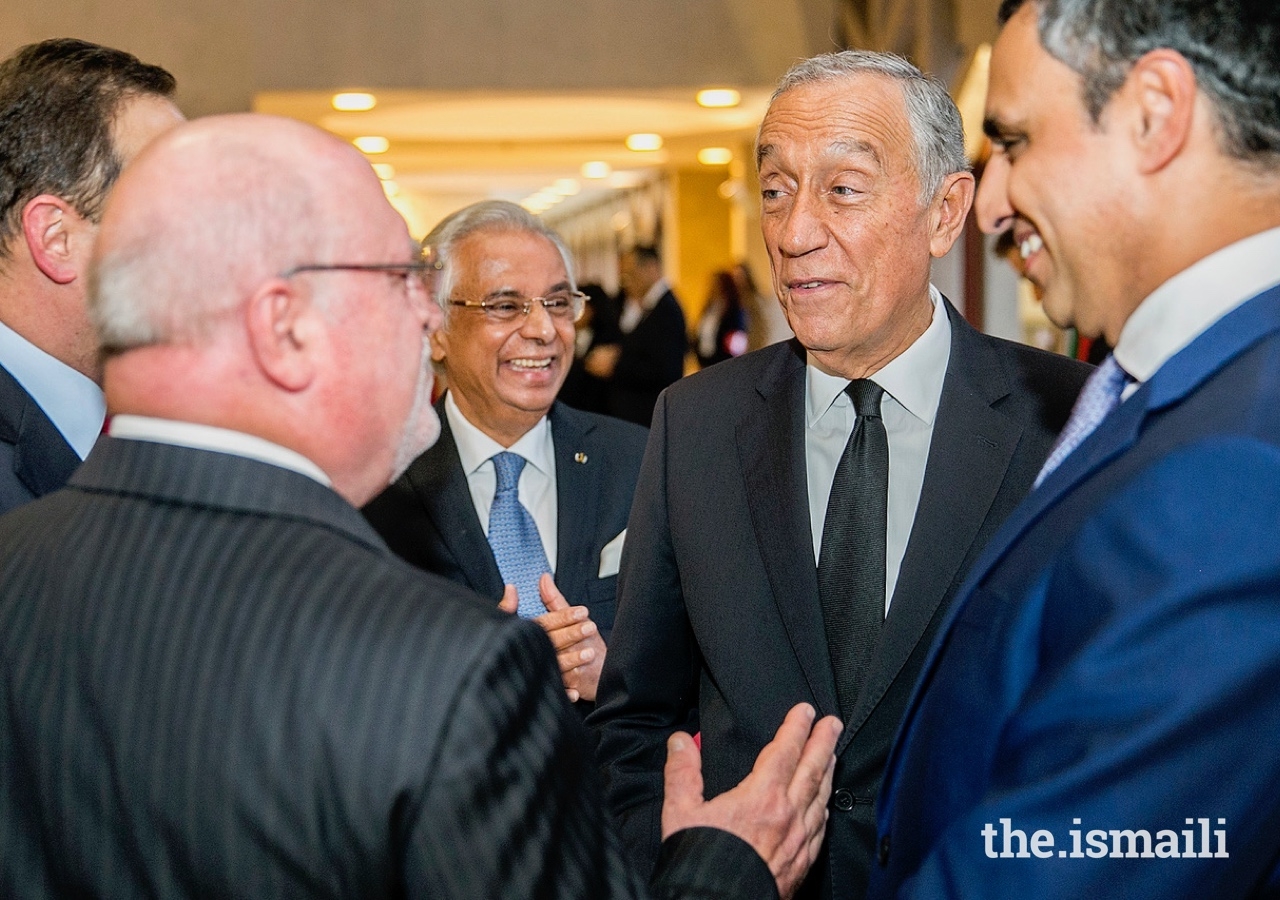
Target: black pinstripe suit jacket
{"points": [[216, 681]]}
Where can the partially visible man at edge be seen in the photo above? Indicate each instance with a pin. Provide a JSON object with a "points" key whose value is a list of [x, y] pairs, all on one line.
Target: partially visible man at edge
{"points": [[217, 680], [806, 512], [509, 300], [1104, 695], [71, 114]]}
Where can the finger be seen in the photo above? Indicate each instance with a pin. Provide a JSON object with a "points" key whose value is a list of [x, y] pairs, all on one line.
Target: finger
{"points": [[571, 659], [510, 602], [552, 599], [816, 761], [571, 694], [779, 758], [565, 619], [682, 781]]}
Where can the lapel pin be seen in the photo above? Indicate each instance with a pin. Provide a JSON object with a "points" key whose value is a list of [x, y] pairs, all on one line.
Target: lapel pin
{"points": [[580, 457]]}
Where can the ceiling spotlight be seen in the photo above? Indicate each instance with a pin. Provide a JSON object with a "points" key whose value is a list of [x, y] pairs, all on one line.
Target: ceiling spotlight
{"points": [[372, 143], [385, 171], [390, 188], [644, 142], [596, 169], [719, 98], [715, 156], [353, 101]]}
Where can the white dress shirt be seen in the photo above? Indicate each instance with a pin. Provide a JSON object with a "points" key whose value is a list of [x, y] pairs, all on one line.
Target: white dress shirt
{"points": [[912, 384], [537, 481], [72, 402], [219, 440], [1186, 305]]}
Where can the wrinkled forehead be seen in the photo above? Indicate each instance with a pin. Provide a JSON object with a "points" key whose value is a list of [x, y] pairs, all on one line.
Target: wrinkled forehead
{"points": [[852, 116]]}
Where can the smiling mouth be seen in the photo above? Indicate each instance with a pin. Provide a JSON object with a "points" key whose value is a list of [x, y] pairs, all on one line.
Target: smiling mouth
{"points": [[1030, 245], [530, 365]]}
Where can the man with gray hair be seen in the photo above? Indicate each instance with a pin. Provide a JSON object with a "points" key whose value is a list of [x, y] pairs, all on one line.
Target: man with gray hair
{"points": [[520, 491], [805, 512], [217, 681], [71, 114], [1098, 716]]}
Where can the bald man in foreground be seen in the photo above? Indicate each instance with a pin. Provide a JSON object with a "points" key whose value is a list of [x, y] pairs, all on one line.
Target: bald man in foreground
{"points": [[232, 688]]}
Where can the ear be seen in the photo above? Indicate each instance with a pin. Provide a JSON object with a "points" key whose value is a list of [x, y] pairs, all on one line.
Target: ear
{"points": [[284, 332], [56, 238], [439, 345], [949, 211], [1162, 87]]}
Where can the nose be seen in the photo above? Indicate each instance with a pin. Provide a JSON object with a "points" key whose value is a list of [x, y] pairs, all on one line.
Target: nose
{"points": [[537, 325], [992, 206], [800, 228]]}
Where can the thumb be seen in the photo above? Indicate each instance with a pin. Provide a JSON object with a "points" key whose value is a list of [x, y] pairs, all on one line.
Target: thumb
{"points": [[510, 602], [552, 599], [682, 779]]}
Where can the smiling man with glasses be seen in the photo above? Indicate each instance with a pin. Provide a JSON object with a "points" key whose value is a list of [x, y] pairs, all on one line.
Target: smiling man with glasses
{"points": [[523, 499]]}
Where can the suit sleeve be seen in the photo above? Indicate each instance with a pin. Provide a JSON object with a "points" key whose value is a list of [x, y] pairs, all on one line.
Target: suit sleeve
{"points": [[1156, 653], [649, 686]]}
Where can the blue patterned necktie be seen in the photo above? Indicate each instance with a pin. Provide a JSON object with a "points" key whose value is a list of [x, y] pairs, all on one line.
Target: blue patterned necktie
{"points": [[513, 535], [1100, 395]]}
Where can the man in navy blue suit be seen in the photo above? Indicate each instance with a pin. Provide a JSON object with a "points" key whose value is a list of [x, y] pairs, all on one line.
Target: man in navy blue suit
{"points": [[1096, 716]]}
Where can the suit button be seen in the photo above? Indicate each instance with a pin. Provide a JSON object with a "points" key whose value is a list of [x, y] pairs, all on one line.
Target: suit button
{"points": [[842, 800], [882, 852]]}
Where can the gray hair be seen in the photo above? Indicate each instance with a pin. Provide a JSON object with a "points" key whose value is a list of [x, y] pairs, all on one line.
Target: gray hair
{"points": [[935, 122], [487, 215], [1230, 45]]}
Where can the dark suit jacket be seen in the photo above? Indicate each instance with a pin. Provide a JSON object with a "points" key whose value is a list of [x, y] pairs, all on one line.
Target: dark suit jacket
{"points": [[427, 516], [216, 681], [718, 596], [35, 458], [1113, 661], [652, 357]]}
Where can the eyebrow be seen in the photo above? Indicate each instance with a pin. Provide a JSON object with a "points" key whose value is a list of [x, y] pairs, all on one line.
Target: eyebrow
{"points": [[851, 147], [512, 292]]}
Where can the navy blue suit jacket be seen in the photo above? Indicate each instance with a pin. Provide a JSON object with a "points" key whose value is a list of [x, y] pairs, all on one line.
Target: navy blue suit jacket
{"points": [[428, 519], [35, 459], [1113, 662]]}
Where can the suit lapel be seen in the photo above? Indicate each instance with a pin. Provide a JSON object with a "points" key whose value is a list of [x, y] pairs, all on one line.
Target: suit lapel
{"points": [[969, 455], [441, 487], [771, 447], [42, 458], [578, 474]]}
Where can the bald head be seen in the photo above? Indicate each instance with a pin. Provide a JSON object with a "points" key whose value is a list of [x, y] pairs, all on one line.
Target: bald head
{"points": [[204, 318]]}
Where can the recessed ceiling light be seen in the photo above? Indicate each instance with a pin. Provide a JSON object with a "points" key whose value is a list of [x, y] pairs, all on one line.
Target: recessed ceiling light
{"points": [[719, 98], [390, 188], [354, 101], [385, 171], [596, 169], [644, 142], [715, 156], [372, 143]]}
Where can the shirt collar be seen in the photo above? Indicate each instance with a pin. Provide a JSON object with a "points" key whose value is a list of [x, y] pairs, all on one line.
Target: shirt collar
{"points": [[219, 440], [475, 448], [70, 399], [1184, 307], [913, 378]]}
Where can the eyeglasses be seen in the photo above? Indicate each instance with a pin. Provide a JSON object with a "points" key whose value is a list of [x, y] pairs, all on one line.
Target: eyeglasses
{"points": [[565, 305], [418, 271]]}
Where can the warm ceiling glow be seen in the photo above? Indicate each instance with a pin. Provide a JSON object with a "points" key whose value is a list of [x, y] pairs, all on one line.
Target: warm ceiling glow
{"points": [[719, 98], [596, 169], [372, 143], [390, 188], [644, 142], [566, 187], [385, 171], [715, 156], [354, 101]]}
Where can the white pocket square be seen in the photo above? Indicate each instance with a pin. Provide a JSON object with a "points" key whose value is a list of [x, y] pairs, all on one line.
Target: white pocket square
{"points": [[611, 556]]}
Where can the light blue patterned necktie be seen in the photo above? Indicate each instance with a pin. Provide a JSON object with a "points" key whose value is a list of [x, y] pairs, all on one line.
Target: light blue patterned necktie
{"points": [[1100, 395], [513, 535]]}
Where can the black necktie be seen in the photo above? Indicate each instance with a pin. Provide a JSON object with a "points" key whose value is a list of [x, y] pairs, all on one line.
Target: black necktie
{"points": [[852, 560]]}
